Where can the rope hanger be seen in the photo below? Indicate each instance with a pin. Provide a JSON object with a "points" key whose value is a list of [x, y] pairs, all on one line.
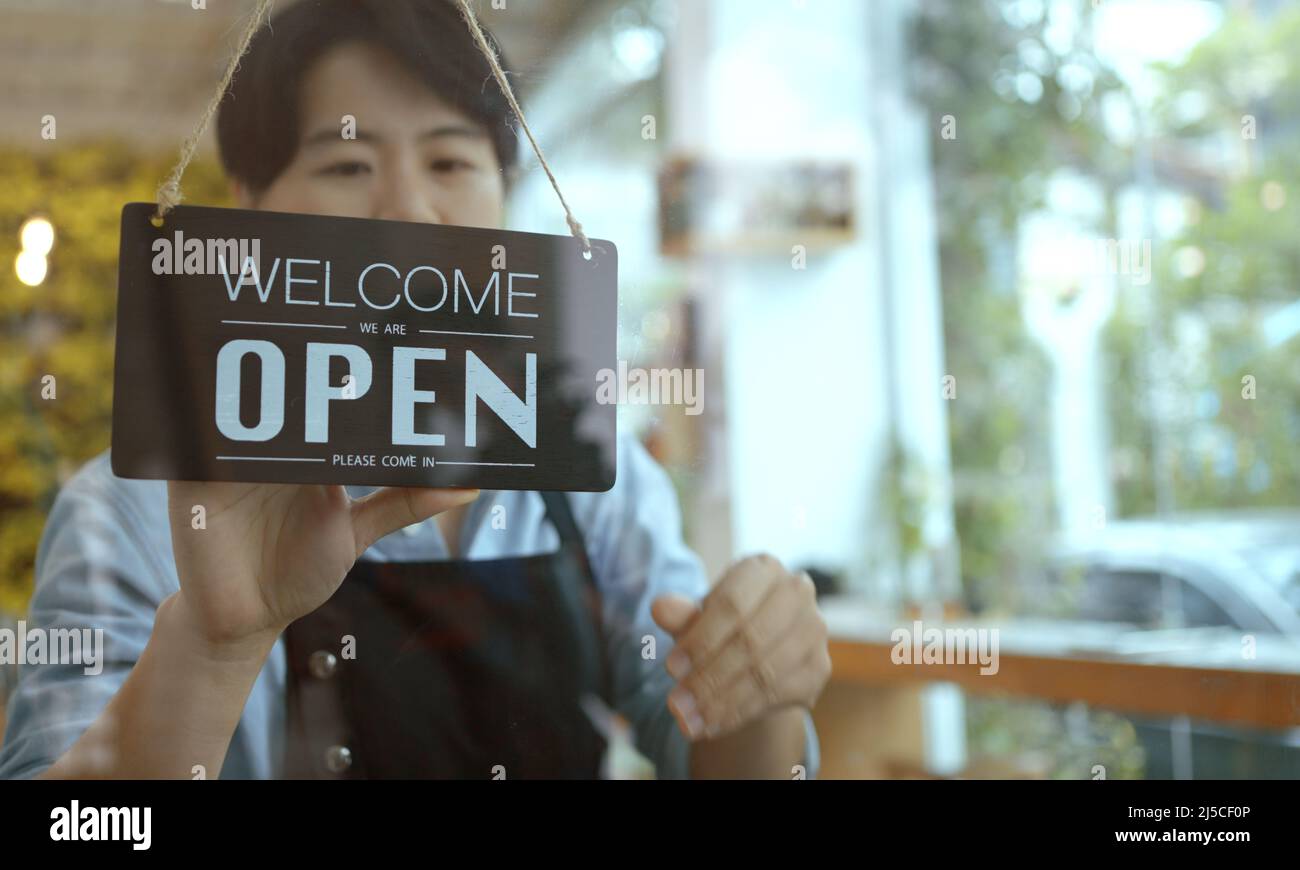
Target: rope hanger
{"points": [[169, 192]]}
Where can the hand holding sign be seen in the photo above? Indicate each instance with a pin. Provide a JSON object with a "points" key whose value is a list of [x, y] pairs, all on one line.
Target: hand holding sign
{"points": [[268, 554]]}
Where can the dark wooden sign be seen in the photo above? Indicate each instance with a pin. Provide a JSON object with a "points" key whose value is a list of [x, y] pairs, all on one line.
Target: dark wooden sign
{"points": [[267, 347]]}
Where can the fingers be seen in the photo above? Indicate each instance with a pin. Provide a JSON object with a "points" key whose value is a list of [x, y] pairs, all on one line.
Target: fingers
{"points": [[791, 672], [674, 613], [785, 608], [759, 687], [730, 604], [775, 655], [391, 508]]}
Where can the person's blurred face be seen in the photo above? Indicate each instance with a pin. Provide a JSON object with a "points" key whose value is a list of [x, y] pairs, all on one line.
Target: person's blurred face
{"points": [[414, 158]]}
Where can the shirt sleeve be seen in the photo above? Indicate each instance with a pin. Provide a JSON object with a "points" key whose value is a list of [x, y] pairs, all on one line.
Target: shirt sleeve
{"points": [[638, 554], [94, 572]]}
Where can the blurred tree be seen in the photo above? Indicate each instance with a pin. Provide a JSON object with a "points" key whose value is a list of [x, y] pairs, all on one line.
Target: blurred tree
{"points": [[1026, 91], [1030, 98], [1227, 135], [63, 327]]}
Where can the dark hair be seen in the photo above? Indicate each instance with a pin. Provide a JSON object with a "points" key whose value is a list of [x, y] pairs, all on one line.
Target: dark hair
{"points": [[257, 124]]}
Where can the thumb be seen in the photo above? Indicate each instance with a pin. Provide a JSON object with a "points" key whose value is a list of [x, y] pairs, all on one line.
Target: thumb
{"points": [[674, 613], [386, 510]]}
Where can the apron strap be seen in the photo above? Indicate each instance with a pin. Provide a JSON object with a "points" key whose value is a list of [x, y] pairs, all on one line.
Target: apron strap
{"points": [[561, 516], [560, 513]]}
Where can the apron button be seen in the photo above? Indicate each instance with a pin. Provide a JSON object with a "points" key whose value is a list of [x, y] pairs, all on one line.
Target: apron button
{"points": [[338, 759], [322, 664]]}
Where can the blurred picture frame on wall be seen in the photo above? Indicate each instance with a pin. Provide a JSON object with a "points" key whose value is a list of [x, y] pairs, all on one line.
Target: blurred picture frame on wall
{"points": [[761, 207]]}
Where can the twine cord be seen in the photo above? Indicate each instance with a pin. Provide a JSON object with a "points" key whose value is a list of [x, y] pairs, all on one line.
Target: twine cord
{"points": [[169, 192], [495, 63]]}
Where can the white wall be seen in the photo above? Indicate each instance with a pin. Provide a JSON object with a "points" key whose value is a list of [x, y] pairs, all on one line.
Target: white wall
{"points": [[812, 377], [811, 369]]}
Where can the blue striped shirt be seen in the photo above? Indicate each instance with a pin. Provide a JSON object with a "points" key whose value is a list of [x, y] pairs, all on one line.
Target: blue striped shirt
{"points": [[105, 561]]}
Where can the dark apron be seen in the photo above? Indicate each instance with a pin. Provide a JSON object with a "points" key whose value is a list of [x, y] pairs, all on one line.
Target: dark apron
{"points": [[467, 670]]}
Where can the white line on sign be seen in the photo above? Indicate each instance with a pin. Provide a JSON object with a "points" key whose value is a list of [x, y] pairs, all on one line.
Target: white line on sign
{"points": [[270, 459], [484, 334], [268, 323], [500, 464]]}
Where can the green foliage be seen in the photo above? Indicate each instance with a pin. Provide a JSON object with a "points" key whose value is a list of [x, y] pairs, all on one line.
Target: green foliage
{"points": [[1175, 352], [1182, 433], [1036, 732], [1023, 110], [1225, 450], [63, 327]]}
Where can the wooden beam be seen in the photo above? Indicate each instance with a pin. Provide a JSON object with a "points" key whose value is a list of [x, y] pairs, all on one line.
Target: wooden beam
{"points": [[1261, 699]]}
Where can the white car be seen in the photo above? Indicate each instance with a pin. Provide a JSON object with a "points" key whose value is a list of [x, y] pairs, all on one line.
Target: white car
{"points": [[1238, 570], [1226, 569]]}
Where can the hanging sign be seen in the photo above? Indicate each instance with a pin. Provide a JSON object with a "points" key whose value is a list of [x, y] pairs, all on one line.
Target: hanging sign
{"points": [[284, 348]]}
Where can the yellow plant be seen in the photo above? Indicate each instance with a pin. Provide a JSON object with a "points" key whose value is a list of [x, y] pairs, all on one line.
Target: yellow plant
{"points": [[63, 327]]}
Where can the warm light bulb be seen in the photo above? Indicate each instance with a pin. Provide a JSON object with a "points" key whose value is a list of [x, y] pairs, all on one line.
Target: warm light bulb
{"points": [[37, 236], [31, 268]]}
